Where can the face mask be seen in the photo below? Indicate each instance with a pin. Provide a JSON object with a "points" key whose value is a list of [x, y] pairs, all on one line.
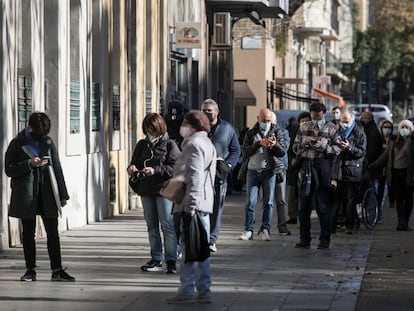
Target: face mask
{"points": [[386, 131], [185, 131], [345, 126], [337, 116], [404, 132], [264, 126], [209, 116], [152, 138], [319, 123]]}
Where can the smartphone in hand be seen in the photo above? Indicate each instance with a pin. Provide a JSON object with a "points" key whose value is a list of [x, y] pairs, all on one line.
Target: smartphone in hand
{"points": [[46, 158]]}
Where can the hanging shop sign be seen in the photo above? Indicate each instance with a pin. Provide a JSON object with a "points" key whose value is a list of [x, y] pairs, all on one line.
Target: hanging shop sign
{"points": [[188, 35]]}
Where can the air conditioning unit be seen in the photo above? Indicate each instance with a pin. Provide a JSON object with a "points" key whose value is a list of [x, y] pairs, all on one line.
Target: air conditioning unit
{"points": [[221, 29]]}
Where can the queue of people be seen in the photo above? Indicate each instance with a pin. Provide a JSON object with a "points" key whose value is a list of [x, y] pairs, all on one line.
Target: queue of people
{"points": [[317, 164]]}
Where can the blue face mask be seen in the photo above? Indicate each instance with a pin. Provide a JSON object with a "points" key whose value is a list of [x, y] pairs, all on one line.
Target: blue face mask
{"points": [[386, 131], [264, 126], [319, 123], [404, 132]]}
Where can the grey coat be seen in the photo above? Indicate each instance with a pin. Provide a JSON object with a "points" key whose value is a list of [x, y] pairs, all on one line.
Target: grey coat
{"points": [[26, 183], [196, 166]]}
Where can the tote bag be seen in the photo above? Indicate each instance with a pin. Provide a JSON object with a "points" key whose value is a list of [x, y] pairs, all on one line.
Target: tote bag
{"points": [[174, 190]]}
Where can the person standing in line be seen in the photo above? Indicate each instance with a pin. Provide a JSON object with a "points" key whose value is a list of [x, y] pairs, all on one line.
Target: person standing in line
{"points": [[224, 138], [152, 164], [292, 172], [347, 170], [386, 130], [196, 166], [280, 187], [316, 144], [398, 160], [336, 116], [27, 162], [263, 144]]}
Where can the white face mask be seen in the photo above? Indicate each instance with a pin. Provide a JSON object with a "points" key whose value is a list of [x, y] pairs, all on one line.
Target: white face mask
{"points": [[153, 139], [185, 131]]}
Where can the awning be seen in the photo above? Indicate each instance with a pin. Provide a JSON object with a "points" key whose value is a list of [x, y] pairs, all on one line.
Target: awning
{"points": [[243, 95], [335, 72], [291, 81], [341, 102]]}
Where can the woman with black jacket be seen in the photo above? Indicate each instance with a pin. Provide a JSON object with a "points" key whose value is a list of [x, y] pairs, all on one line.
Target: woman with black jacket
{"points": [[152, 164], [398, 160]]}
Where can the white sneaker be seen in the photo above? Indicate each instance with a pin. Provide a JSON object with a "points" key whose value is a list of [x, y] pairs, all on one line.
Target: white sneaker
{"points": [[265, 235], [246, 235], [213, 247]]}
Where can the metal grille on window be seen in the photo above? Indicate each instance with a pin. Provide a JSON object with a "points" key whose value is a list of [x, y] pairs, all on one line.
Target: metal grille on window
{"points": [[116, 108], [95, 107], [148, 102], [74, 107], [24, 101]]}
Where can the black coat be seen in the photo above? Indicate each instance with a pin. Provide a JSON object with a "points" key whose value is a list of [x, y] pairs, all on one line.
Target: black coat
{"points": [[161, 157], [26, 183], [348, 165]]}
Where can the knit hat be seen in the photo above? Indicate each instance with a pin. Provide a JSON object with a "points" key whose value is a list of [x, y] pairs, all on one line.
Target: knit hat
{"points": [[198, 120], [407, 123]]}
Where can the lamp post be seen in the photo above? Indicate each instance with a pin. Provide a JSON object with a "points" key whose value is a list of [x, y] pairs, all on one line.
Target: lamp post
{"points": [[390, 85]]}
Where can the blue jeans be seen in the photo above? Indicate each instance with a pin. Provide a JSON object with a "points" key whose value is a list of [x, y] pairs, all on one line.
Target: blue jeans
{"points": [[159, 210], [280, 202], [215, 218], [266, 181], [197, 273]]}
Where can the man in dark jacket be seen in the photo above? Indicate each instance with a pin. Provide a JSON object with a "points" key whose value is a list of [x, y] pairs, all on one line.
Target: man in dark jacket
{"points": [[316, 144], [374, 139], [347, 169], [263, 144], [225, 140], [38, 188]]}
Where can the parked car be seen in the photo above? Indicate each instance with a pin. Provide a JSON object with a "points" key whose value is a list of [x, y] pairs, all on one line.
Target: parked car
{"points": [[380, 112]]}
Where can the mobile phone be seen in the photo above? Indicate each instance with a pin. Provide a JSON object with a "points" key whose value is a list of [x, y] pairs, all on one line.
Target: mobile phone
{"points": [[46, 157]]}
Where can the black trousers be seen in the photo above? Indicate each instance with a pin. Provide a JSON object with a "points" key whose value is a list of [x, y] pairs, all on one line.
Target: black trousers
{"points": [[403, 195], [53, 241]]}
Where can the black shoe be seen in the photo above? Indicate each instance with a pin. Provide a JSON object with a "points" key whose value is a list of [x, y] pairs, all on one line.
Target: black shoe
{"points": [[292, 221], [62, 276], [29, 276], [303, 244], [171, 267], [323, 244], [152, 266], [284, 231]]}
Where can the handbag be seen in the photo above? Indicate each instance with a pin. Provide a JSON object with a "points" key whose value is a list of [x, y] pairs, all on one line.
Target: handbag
{"points": [[222, 170], [55, 189], [173, 190], [195, 238]]}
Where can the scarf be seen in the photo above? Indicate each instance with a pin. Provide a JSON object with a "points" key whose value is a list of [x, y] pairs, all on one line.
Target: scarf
{"points": [[33, 143], [345, 133]]}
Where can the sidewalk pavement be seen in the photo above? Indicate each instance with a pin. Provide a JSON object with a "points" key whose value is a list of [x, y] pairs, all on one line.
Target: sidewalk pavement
{"points": [[388, 282], [105, 258]]}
